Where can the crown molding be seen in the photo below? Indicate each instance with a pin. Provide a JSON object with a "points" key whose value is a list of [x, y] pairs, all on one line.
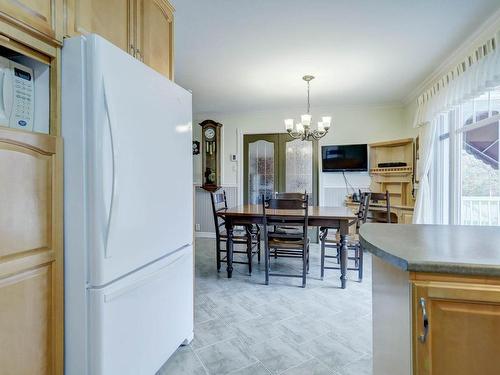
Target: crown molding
{"points": [[299, 109], [487, 30]]}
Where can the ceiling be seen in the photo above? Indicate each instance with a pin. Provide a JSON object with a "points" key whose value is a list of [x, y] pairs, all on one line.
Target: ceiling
{"points": [[247, 55]]}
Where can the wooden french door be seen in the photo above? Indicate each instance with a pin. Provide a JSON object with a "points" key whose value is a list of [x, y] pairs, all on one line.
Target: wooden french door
{"points": [[277, 162]]}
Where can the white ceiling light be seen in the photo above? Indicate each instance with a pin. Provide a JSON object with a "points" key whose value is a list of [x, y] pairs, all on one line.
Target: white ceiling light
{"points": [[302, 130]]}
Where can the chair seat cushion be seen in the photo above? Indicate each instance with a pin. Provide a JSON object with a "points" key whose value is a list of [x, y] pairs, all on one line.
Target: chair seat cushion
{"points": [[287, 230], [240, 234], [287, 243], [352, 239]]}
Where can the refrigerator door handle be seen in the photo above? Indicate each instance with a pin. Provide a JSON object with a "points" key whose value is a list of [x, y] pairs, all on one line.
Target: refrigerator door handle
{"points": [[114, 149]]}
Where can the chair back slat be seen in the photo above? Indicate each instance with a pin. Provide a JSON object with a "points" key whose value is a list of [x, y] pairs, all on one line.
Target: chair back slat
{"points": [[286, 195], [219, 204], [300, 205], [364, 205], [386, 197]]}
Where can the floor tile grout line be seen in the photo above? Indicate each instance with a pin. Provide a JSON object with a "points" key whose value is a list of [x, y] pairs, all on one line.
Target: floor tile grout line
{"points": [[214, 343], [263, 365], [238, 369], [291, 368], [214, 288], [199, 359], [242, 368]]}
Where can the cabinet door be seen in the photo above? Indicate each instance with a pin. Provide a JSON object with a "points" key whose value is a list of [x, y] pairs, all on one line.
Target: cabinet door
{"points": [[463, 328], [39, 15], [155, 35], [31, 270], [112, 19], [407, 218]]}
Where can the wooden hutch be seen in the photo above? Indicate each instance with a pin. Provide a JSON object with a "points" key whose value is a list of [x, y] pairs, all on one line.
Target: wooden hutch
{"points": [[397, 180]]}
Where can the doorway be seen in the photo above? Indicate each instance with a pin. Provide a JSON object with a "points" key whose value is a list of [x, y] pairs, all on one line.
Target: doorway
{"points": [[277, 163]]}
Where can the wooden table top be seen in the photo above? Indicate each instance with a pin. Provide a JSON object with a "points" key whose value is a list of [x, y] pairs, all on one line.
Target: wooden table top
{"points": [[315, 212]]}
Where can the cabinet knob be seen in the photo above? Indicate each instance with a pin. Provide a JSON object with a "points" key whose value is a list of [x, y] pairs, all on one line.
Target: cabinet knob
{"points": [[425, 321], [132, 50]]}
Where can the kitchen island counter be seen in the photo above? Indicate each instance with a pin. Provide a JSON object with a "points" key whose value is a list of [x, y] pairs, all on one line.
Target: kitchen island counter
{"points": [[452, 249], [436, 298]]}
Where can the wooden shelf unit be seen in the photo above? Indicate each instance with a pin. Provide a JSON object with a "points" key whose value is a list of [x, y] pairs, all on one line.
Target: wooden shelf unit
{"points": [[392, 171], [398, 181]]}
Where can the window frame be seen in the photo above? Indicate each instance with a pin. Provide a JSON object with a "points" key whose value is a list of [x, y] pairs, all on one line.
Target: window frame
{"points": [[456, 130]]}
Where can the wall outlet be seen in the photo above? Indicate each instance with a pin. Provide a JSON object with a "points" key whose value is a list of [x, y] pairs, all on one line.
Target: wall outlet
{"points": [[197, 227]]}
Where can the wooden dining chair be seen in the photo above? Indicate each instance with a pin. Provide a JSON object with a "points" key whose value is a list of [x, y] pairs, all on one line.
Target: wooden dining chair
{"points": [[286, 244], [248, 235], [377, 198], [353, 244], [288, 195]]}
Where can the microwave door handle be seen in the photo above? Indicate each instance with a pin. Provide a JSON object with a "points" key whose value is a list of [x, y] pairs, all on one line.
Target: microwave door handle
{"points": [[7, 93], [114, 146]]}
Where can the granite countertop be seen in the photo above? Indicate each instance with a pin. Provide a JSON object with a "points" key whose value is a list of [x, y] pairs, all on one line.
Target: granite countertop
{"points": [[465, 250]]}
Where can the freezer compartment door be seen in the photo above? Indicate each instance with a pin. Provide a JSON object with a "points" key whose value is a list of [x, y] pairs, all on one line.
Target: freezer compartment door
{"points": [[137, 322], [140, 163]]}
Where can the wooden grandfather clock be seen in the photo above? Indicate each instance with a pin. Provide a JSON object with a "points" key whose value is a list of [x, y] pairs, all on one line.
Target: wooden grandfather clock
{"points": [[210, 150]]}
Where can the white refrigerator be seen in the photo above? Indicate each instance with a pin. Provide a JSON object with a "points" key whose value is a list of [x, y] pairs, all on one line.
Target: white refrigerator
{"points": [[128, 212]]}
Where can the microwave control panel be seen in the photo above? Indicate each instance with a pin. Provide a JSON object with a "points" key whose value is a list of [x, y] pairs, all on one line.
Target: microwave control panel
{"points": [[22, 114], [17, 95]]}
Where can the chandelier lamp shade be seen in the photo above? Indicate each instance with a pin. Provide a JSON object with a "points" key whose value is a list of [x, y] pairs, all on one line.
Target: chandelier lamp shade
{"points": [[302, 130]]}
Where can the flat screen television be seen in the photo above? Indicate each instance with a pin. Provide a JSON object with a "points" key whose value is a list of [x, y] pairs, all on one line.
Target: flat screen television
{"points": [[345, 158]]}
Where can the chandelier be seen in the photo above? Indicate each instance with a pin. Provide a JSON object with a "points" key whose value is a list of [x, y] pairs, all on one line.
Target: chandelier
{"points": [[302, 130]]}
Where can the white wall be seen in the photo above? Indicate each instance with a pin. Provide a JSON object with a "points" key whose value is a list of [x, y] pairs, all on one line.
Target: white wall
{"points": [[351, 124]]}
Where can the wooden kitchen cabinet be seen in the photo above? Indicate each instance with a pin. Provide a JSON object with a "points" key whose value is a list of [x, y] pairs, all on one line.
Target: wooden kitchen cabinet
{"points": [[442, 283], [155, 35], [112, 19], [31, 254], [143, 28], [41, 18], [463, 328]]}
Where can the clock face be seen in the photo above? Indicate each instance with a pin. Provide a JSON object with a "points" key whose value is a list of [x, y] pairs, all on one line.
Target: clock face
{"points": [[209, 133]]}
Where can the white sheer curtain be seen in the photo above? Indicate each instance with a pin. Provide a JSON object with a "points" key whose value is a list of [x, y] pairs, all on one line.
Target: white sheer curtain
{"points": [[479, 73], [423, 206]]}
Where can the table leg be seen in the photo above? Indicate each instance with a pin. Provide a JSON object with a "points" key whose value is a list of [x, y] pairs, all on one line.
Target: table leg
{"points": [[229, 246], [343, 260]]}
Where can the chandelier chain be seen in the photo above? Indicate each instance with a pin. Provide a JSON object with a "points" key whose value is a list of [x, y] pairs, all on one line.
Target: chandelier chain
{"points": [[308, 97]]}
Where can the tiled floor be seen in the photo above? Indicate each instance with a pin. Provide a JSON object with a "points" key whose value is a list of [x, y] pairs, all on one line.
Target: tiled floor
{"points": [[244, 327]]}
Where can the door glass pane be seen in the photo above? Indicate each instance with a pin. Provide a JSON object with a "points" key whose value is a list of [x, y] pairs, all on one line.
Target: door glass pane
{"points": [[299, 170], [480, 200], [261, 171]]}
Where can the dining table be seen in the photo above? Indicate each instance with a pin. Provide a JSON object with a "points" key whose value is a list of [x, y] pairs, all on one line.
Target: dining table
{"points": [[338, 218]]}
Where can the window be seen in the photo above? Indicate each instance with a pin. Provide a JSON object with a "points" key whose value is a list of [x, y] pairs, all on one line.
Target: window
{"points": [[465, 174]]}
